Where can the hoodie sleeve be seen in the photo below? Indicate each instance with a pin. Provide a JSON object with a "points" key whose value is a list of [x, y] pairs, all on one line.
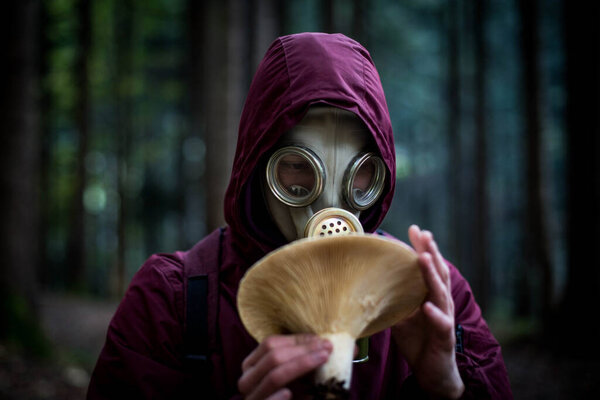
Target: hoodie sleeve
{"points": [[142, 354], [480, 362]]}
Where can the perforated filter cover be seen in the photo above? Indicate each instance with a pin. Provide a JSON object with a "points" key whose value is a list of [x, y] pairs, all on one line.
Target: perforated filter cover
{"points": [[332, 222]]}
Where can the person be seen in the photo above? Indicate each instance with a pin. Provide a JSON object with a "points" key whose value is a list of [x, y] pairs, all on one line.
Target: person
{"points": [[315, 133]]}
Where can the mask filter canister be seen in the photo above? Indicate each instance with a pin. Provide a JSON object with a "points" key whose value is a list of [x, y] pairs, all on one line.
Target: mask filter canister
{"points": [[332, 222]]}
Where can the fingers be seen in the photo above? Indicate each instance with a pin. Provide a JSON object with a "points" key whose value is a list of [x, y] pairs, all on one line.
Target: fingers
{"points": [[423, 242], [443, 321], [438, 290], [434, 269], [281, 360], [414, 234], [285, 352], [288, 372], [274, 342], [438, 261], [283, 394]]}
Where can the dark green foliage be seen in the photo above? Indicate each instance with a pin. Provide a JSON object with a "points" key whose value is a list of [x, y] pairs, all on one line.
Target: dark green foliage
{"points": [[426, 53], [22, 332], [154, 86]]}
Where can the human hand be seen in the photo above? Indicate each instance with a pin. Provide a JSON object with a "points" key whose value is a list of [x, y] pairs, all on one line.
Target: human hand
{"points": [[426, 339], [278, 361]]}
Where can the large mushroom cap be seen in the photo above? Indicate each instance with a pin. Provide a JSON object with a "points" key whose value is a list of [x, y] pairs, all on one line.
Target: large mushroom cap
{"points": [[356, 284]]}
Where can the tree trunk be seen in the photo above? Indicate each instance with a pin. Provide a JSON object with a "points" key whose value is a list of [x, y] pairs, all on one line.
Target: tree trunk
{"points": [[480, 239], [195, 211], [124, 128], [268, 24], [328, 15], [536, 233], [216, 138], [359, 21], [226, 67], [43, 273], [582, 41], [282, 16], [19, 170], [454, 147], [228, 40], [76, 250]]}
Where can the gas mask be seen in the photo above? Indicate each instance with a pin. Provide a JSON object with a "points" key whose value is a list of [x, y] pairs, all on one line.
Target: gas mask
{"points": [[322, 175]]}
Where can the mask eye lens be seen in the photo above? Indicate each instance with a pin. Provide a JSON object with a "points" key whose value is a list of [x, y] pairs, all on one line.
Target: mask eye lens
{"points": [[295, 176], [365, 181]]}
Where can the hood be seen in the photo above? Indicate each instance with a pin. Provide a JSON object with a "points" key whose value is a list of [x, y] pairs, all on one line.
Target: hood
{"points": [[296, 72]]}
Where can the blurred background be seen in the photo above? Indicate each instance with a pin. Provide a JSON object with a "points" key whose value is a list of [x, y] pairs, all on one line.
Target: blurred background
{"points": [[119, 123]]}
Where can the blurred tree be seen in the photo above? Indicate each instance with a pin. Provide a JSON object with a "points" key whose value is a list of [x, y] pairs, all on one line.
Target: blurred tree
{"points": [[156, 168], [194, 178], [219, 133], [162, 151], [452, 36], [466, 111], [268, 21], [44, 156], [359, 21], [59, 135], [19, 175], [582, 44], [281, 11], [76, 258], [537, 254], [123, 91], [101, 199], [328, 16], [224, 62], [480, 245]]}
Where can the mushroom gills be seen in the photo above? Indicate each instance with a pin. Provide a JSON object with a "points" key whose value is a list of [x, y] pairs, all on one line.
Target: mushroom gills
{"points": [[341, 288]]}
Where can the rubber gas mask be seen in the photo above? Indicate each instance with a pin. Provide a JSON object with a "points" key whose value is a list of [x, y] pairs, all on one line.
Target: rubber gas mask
{"points": [[323, 174]]}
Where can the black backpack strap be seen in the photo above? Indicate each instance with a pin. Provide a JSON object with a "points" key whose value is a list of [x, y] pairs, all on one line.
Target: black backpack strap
{"points": [[201, 283], [460, 332]]}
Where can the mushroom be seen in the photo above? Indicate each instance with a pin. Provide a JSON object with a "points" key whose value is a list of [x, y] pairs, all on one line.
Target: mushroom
{"points": [[340, 288]]}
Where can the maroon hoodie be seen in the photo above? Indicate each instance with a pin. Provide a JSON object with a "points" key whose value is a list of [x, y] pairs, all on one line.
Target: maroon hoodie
{"points": [[143, 354]]}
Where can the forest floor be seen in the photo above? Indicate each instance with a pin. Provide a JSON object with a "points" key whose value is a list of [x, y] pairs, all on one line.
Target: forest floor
{"points": [[76, 328]]}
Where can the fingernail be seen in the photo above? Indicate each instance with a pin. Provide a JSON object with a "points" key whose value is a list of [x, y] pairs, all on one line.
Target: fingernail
{"points": [[320, 356]]}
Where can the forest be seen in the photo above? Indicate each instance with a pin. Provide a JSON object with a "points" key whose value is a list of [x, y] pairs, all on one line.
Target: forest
{"points": [[120, 122]]}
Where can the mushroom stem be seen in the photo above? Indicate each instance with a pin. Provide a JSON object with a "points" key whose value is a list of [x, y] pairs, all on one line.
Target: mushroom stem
{"points": [[339, 364]]}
